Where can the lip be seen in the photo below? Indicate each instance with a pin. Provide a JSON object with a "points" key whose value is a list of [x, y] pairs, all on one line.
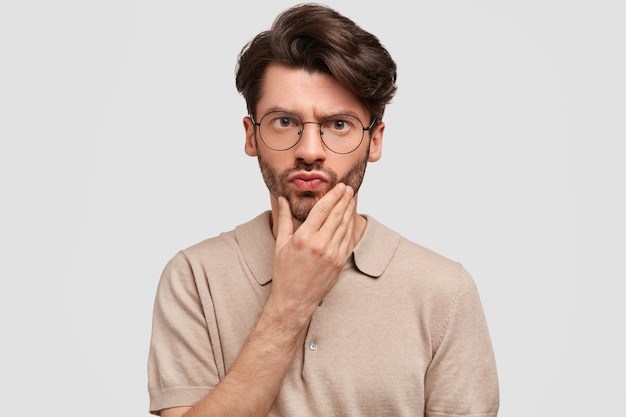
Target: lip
{"points": [[307, 181]]}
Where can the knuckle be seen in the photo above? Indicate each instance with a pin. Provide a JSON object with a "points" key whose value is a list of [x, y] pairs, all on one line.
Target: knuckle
{"points": [[339, 263], [319, 248], [300, 241]]}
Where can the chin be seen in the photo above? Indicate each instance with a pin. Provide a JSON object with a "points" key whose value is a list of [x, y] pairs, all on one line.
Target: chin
{"points": [[302, 204]]}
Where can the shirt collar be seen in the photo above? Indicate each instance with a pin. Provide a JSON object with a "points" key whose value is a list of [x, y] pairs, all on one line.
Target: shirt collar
{"points": [[372, 254]]}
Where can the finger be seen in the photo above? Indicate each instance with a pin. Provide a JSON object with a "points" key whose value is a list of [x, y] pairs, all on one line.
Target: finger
{"points": [[343, 237], [284, 229], [335, 219], [349, 220], [322, 209]]}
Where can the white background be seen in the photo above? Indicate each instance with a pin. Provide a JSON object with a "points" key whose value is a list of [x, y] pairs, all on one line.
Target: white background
{"points": [[121, 142]]}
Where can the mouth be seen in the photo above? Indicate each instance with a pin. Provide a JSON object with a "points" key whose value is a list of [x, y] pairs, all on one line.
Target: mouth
{"points": [[307, 181]]}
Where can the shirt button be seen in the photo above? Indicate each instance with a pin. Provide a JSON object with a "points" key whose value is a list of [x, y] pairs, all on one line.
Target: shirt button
{"points": [[313, 345]]}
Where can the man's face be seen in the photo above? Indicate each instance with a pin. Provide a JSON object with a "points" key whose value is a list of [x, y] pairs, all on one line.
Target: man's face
{"points": [[305, 172]]}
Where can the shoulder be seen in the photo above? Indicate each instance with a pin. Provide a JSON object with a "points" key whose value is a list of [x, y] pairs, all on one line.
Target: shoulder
{"points": [[209, 248], [382, 241], [425, 261], [226, 245], [416, 265], [243, 251]]}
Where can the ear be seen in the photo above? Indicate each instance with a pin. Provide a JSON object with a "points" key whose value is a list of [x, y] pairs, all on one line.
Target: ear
{"points": [[250, 145], [376, 142]]}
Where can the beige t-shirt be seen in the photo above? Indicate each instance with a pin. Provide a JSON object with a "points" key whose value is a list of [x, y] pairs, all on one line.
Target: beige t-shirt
{"points": [[401, 334]]}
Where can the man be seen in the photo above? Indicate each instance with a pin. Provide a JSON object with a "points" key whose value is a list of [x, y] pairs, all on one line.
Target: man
{"points": [[312, 309]]}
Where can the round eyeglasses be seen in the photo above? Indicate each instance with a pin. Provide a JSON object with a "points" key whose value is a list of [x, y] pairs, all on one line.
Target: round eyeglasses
{"points": [[340, 133]]}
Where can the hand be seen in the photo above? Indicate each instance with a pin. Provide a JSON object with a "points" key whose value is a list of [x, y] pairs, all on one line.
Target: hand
{"points": [[307, 262]]}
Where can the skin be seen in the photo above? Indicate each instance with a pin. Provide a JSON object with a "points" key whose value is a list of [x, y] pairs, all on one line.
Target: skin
{"points": [[316, 226]]}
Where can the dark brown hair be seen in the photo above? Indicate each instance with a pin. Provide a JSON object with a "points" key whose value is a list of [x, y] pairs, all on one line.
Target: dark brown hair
{"points": [[317, 38]]}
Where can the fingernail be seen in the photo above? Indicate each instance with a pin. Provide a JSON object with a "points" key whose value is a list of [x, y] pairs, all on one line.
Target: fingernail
{"points": [[341, 186], [349, 190]]}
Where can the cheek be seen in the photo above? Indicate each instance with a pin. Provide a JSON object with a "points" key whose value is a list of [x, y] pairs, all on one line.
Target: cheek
{"points": [[277, 161], [346, 164]]}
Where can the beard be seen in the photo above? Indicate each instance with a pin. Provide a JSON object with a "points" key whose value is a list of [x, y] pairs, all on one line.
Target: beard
{"points": [[301, 202]]}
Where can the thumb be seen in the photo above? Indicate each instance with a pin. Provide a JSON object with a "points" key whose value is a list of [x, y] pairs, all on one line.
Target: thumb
{"points": [[284, 230]]}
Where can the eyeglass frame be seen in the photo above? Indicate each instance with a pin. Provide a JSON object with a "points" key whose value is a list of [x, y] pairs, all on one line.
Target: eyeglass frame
{"points": [[321, 133]]}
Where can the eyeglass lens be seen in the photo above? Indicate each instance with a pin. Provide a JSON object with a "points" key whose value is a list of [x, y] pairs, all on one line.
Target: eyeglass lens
{"points": [[341, 133]]}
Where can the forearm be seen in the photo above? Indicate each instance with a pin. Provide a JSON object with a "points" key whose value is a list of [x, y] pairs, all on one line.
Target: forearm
{"points": [[252, 384]]}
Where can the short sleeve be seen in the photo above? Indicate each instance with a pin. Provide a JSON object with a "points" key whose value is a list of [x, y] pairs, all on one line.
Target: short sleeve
{"points": [[462, 378], [181, 364]]}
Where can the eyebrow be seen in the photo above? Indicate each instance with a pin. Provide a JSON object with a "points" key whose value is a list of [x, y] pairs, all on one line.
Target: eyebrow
{"points": [[319, 116]]}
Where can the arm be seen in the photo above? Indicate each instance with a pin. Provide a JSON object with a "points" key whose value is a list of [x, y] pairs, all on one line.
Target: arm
{"points": [[307, 263], [462, 379]]}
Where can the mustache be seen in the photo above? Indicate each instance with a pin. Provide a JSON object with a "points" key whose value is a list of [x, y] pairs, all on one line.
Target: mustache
{"points": [[304, 166], [308, 167]]}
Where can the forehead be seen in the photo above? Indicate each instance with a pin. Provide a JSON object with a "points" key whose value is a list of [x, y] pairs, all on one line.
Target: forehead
{"points": [[308, 94]]}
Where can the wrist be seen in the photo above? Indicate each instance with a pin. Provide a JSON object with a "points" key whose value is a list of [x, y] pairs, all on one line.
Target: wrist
{"points": [[284, 322]]}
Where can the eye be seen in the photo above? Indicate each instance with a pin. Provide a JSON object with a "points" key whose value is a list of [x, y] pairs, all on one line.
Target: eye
{"points": [[340, 123], [284, 121]]}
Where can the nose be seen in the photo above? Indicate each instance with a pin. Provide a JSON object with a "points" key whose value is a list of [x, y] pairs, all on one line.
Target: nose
{"points": [[310, 147]]}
